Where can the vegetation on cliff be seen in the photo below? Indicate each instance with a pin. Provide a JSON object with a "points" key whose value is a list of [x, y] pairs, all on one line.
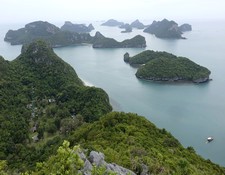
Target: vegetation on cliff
{"points": [[163, 66], [137, 144], [42, 99]]}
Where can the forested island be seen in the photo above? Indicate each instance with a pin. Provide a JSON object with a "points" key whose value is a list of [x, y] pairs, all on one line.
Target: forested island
{"points": [[163, 66], [100, 41], [167, 29], [66, 36], [43, 102]]}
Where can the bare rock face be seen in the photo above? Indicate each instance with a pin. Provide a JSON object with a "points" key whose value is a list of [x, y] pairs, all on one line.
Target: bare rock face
{"points": [[98, 159]]}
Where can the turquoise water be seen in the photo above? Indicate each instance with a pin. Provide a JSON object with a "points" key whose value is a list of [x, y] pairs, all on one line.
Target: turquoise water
{"points": [[190, 112]]}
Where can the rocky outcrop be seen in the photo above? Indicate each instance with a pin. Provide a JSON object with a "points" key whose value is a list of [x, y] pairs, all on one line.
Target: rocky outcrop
{"points": [[112, 23], [137, 24], [201, 80], [126, 57], [185, 27], [98, 159]]}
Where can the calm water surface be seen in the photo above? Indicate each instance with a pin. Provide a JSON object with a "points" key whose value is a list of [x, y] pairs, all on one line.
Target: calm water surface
{"points": [[190, 112]]}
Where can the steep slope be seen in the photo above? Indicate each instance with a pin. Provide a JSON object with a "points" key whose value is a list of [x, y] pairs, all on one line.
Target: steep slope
{"points": [[40, 96], [135, 143]]}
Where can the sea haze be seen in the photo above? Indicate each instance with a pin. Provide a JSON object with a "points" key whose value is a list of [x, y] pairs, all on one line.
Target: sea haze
{"points": [[191, 112]]}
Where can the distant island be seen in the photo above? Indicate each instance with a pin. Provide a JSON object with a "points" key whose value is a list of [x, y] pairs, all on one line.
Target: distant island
{"points": [[66, 36], [185, 28], [112, 23], [137, 24], [100, 41], [167, 29], [47, 32], [79, 28], [163, 66], [128, 27]]}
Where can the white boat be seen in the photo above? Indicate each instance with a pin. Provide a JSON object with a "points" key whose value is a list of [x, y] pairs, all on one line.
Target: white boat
{"points": [[209, 139]]}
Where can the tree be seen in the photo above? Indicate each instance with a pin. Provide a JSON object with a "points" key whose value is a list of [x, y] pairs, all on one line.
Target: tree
{"points": [[66, 161]]}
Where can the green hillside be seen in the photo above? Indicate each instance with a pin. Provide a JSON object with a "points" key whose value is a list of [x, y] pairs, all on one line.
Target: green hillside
{"points": [[134, 142], [39, 90]]}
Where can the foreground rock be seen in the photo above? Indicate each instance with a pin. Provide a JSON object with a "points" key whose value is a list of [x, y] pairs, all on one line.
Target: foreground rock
{"points": [[98, 159], [163, 66]]}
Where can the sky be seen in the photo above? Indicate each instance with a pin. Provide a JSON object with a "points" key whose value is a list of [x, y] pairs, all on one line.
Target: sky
{"points": [[16, 11]]}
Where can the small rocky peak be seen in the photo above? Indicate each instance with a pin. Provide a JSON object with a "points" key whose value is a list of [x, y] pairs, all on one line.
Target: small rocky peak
{"points": [[38, 52], [91, 27], [98, 35], [126, 57]]}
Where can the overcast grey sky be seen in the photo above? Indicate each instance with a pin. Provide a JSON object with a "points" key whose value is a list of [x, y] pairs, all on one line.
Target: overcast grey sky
{"points": [[14, 11]]}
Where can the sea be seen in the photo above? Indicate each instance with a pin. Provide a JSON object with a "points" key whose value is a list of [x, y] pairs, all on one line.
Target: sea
{"points": [[190, 112]]}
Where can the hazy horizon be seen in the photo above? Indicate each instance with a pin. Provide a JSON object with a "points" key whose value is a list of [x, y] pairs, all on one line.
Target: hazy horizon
{"points": [[15, 11]]}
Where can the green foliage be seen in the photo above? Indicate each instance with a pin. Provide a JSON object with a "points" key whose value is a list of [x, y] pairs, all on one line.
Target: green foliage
{"points": [[179, 68], [3, 167], [101, 171], [131, 141], [148, 55], [66, 161]]}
